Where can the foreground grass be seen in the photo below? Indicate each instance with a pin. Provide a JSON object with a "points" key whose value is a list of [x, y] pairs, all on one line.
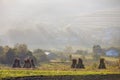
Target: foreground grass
{"points": [[55, 69], [21, 73]]}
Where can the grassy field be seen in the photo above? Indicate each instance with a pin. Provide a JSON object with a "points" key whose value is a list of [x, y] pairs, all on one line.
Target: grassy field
{"points": [[18, 73], [61, 69], [37, 72]]}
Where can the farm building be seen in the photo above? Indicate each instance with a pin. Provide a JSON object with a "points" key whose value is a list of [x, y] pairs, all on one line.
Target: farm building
{"points": [[112, 52]]}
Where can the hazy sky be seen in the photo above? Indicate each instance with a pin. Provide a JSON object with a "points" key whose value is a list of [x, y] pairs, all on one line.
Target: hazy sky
{"points": [[20, 16], [51, 10]]}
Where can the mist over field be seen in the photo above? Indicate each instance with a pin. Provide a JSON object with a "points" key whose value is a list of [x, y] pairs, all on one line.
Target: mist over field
{"points": [[58, 23], [60, 39]]}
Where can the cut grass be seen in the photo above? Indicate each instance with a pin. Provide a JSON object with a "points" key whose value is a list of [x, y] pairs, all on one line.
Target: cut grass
{"points": [[22, 73]]}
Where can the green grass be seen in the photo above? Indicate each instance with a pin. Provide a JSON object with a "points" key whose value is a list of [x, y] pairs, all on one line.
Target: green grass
{"points": [[21, 73], [56, 69]]}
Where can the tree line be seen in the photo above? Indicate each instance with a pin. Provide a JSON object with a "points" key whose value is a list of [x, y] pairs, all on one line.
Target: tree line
{"points": [[21, 51]]}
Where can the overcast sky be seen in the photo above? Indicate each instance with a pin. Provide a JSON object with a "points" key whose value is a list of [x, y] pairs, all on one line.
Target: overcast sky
{"points": [[20, 15], [12, 10]]}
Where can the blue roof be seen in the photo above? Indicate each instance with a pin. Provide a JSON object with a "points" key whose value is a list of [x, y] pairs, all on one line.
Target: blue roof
{"points": [[112, 52]]}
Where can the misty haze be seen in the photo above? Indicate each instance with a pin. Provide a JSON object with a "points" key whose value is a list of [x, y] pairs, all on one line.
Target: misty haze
{"points": [[55, 24], [59, 39]]}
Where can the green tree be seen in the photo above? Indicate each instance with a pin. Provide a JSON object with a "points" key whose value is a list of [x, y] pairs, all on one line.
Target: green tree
{"points": [[40, 55], [21, 48], [1, 50], [23, 52], [10, 56]]}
